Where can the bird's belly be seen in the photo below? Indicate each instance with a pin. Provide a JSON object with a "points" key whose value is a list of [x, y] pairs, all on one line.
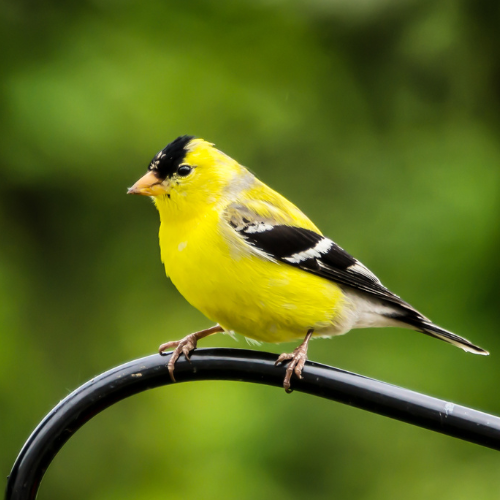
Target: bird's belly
{"points": [[257, 298]]}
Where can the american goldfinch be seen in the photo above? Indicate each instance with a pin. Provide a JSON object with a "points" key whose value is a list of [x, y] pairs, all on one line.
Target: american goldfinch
{"points": [[252, 262]]}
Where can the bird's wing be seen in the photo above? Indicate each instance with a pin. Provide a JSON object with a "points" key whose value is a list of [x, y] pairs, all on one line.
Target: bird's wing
{"points": [[279, 240], [307, 250]]}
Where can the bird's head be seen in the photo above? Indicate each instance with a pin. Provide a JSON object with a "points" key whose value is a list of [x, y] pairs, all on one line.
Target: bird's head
{"points": [[187, 175]]}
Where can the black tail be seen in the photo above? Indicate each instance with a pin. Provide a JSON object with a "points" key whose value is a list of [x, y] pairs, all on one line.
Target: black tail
{"points": [[440, 333], [425, 326]]}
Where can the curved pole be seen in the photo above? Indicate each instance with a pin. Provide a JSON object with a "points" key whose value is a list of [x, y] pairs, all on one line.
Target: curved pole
{"points": [[239, 365]]}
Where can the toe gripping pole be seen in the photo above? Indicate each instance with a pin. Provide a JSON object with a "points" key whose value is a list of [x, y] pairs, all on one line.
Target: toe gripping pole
{"points": [[238, 365]]}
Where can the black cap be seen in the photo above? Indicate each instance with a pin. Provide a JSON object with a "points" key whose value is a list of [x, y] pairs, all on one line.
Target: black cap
{"points": [[166, 162]]}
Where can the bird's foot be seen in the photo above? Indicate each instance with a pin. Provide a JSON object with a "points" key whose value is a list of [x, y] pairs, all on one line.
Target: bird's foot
{"points": [[185, 346], [297, 360]]}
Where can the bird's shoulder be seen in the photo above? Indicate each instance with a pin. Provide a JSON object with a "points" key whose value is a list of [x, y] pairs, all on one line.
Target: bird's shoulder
{"points": [[258, 203]]}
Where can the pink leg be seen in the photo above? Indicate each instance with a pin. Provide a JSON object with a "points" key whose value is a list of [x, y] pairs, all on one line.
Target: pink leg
{"points": [[185, 346], [298, 358]]}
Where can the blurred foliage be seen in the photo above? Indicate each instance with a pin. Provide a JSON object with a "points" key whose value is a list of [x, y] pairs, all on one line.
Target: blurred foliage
{"points": [[379, 118]]}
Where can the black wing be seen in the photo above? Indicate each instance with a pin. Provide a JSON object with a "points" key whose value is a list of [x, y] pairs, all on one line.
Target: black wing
{"points": [[317, 255]]}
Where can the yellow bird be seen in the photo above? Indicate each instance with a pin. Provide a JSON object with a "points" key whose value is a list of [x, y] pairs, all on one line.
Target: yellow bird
{"points": [[252, 262]]}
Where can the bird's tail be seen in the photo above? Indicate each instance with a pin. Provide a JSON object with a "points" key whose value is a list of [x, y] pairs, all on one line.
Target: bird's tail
{"points": [[440, 333], [425, 326]]}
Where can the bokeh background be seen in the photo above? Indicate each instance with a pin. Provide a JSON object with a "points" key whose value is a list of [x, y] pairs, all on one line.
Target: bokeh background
{"points": [[379, 118]]}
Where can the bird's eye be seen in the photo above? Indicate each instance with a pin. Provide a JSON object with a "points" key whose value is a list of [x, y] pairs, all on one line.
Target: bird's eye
{"points": [[184, 170]]}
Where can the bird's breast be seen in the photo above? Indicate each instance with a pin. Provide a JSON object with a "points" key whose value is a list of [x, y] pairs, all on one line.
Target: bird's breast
{"points": [[261, 299]]}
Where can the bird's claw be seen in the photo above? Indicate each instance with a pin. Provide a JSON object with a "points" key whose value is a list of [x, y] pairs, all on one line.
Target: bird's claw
{"points": [[184, 346], [297, 361]]}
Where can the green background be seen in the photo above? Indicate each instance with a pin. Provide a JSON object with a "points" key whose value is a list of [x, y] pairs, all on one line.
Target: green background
{"points": [[380, 119]]}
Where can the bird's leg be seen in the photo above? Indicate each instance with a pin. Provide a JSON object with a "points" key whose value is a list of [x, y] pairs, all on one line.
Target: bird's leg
{"points": [[185, 346], [298, 358]]}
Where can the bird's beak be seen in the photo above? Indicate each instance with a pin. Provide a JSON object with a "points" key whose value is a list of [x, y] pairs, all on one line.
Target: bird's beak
{"points": [[149, 185]]}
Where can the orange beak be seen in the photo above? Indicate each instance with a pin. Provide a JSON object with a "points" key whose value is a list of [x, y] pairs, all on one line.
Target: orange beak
{"points": [[149, 185]]}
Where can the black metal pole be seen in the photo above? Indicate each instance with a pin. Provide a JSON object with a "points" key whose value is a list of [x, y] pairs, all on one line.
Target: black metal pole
{"points": [[239, 365]]}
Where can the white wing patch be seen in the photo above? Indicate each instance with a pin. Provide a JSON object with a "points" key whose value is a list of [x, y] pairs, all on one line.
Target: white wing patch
{"points": [[322, 247], [257, 227], [359, 268]]}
